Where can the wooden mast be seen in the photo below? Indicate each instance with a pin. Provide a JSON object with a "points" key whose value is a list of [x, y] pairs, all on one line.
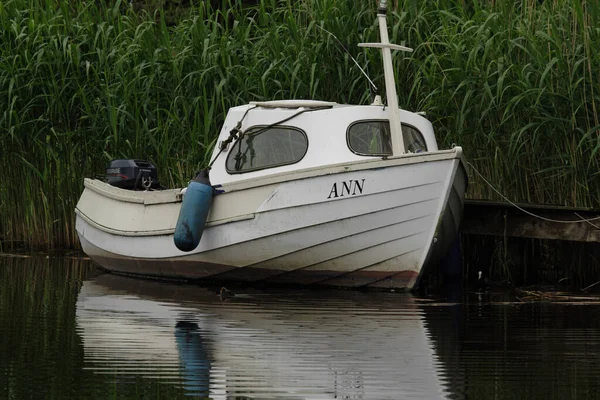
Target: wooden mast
{"points": [[390, 82]]}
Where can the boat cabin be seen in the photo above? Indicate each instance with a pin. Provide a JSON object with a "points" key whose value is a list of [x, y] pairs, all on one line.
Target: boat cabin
{"points": [[291, 135]]}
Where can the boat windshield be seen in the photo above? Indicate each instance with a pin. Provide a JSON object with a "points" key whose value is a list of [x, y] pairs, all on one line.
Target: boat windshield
{"points": [[373, 138], [266, 147]]}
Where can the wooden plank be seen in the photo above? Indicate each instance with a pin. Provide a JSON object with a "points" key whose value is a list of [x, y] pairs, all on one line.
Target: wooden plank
{"points": [[503, 219]]}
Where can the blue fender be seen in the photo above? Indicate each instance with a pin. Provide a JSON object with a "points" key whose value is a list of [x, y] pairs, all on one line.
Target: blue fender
{"points": [[193, 213]]}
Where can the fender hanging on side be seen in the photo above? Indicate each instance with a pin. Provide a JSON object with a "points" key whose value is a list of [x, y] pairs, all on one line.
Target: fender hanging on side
{"points": [[193, 213]]}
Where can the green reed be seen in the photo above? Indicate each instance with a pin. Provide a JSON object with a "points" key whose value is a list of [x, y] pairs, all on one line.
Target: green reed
{"points": [[515, 84]]}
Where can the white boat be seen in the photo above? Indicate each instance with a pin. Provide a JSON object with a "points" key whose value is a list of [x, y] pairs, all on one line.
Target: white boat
{"points": [[306, 192]]}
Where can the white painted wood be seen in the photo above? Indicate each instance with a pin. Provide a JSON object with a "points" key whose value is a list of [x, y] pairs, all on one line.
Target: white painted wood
{"points": [[293, 225], [289, 201], [333, 211], [390, 88], [293, 103], [448, 182], [382, 250], [100, 205], [286, 219], [327, 137], [388, 45], [323, 242]]}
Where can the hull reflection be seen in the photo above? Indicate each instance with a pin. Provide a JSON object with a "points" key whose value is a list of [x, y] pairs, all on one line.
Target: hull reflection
{"points": [[287, 344]]}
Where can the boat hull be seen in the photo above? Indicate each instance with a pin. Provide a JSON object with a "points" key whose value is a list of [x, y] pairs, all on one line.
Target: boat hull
{"points": [[370, 224]]}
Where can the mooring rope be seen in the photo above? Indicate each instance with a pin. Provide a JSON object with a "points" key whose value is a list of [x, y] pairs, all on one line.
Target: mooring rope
{"points": [[234, 134], [240, 156], [237, 134], [530, 213]]}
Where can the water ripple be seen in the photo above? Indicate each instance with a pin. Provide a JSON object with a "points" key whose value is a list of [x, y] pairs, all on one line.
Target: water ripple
{"points": [[113, 337], [294, 344]]}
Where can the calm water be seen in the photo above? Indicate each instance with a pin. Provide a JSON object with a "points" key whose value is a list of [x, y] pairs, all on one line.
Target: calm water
{"points": [[68, 331]]}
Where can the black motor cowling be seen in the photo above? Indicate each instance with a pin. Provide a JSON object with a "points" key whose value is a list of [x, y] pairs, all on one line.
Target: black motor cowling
{"points": [[132, 174]]}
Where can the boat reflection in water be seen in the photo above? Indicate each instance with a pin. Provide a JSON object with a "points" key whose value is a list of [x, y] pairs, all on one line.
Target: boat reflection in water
{"points": [[286, 344]]}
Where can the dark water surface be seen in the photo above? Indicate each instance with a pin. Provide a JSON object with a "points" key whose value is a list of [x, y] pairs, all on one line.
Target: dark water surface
{"points": [[68, 331]]}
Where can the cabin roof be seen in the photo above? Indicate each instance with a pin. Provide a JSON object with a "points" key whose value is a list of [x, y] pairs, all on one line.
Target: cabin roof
{"points": [[293, 104], [325, 125]]}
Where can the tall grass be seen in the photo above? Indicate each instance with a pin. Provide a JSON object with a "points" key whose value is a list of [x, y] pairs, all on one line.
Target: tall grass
{"points": [[514, 83]]}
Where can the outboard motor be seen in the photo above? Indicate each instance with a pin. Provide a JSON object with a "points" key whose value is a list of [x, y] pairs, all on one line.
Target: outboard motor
{"points": [[132, 174]]}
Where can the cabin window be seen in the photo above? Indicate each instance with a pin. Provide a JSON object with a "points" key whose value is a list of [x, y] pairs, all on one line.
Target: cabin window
{"points": [[413, 139], [373, 138], [266, 147]]}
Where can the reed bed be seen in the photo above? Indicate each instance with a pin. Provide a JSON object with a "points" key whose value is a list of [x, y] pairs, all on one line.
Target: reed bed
{"points": [[514, 83]]}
